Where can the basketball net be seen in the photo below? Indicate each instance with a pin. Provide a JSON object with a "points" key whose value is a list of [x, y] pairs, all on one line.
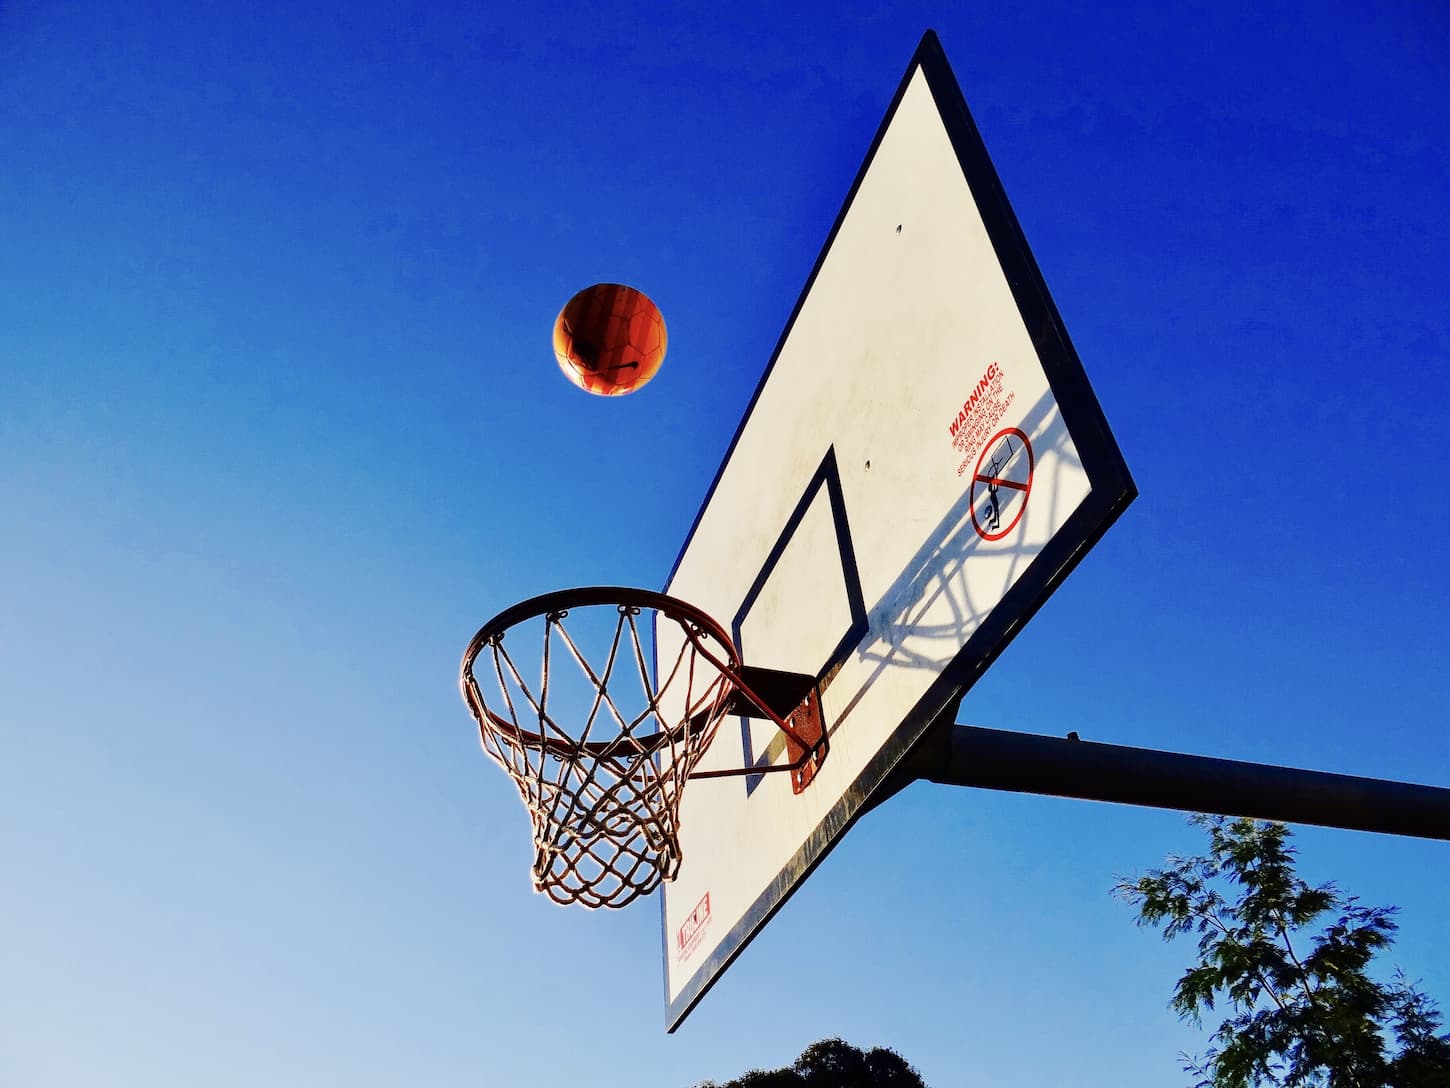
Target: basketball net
{"points": [[603, 796]]}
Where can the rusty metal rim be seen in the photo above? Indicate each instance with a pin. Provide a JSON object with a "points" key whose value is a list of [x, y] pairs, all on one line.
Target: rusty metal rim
{"points": [[563, 600]]}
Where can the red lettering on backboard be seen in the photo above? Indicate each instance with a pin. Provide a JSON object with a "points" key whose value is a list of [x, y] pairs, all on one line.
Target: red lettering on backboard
{"points": [[693, 927]]}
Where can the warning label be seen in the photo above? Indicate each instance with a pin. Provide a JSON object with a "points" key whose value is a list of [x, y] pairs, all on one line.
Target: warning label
{"points": [[979, 415], [1001, 484]]}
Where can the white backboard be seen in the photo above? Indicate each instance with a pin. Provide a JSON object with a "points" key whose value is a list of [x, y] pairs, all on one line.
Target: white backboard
{"points": [[922, 464]]}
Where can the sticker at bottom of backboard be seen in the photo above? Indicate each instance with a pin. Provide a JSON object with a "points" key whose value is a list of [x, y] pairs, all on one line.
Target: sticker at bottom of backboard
{"points": [[687, 939]]}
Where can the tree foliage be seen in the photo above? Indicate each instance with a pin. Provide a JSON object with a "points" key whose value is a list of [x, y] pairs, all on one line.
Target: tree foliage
{"points": [[833, 1063], [1290, 962]]}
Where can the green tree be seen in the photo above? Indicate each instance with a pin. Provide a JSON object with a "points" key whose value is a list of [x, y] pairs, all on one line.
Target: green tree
{"points": [[833, 1063], [1291, 964]]}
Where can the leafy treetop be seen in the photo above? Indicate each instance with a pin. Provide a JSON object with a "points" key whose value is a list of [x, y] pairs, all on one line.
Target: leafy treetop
{"points": [[1290, 961], [833, 1063]]}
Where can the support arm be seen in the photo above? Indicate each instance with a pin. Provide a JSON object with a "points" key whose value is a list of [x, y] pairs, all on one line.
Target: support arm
{"points": [[963, 755]]}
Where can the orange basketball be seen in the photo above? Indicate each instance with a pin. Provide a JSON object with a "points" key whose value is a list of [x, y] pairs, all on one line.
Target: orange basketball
{"points": [[609, 339]]}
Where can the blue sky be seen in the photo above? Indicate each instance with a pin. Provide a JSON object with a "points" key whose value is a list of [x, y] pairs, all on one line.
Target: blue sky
{"points": [[280, 426]]}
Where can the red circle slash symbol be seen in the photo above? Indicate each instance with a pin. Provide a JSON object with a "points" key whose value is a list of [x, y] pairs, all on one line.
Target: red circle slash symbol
{"points": [[1001, 484]]}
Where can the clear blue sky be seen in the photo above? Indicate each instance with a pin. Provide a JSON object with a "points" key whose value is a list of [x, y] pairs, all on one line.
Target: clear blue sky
{"points": [[280, 426]]}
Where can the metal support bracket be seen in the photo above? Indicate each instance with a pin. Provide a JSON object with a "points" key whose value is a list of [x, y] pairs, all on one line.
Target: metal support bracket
{"points": [[964, 755], [792, 701]]}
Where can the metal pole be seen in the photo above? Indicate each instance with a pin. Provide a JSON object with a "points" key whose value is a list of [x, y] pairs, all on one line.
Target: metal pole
{"points": [[964, 755]]}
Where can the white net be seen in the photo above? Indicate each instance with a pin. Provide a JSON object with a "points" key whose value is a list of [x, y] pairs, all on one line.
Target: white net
{"points": [[602, 743]]}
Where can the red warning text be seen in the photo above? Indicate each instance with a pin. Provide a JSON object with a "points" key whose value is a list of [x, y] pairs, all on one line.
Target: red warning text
{"points": [[980, 415], [994, 372]]}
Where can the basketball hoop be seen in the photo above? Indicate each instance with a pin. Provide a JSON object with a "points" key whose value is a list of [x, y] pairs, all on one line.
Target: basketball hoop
{"points": [[604, 793]]}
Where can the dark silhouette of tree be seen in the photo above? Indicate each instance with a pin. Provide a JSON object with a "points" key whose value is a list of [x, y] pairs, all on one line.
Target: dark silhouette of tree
{"points": [[833, 1063], [1291, 964]]}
